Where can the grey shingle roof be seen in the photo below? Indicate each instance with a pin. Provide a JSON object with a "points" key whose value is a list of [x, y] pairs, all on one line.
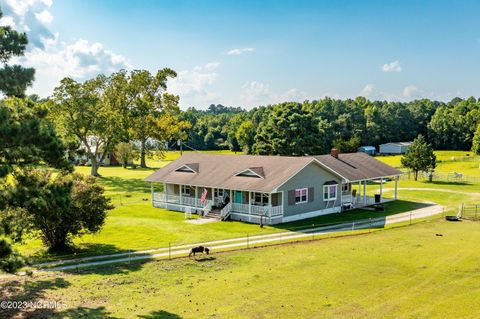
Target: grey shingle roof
{"points": [[218, 170], [357, 166]]}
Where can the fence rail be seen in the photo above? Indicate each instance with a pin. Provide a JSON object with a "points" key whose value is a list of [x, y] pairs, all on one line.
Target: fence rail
{"points": [[471, 212], [453, 177]]}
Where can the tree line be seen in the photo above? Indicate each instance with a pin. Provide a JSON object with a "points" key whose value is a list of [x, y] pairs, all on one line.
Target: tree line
{"points": [[314, 127]]}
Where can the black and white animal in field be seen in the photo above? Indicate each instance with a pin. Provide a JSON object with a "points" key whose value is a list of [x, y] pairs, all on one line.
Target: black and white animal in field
{"points": [[198, 249]]}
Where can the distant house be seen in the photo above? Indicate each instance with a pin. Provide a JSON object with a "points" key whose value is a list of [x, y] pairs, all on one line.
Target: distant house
{"points": [[81, 156], [267, 189], [370, 150], [394, 148]]}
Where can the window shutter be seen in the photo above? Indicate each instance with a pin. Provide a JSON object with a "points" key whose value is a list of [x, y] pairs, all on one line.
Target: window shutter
{"points": [[291, 197], [311, 196]]}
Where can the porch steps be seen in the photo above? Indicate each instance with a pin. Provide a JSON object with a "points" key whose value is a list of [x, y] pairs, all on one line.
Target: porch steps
{"points": [[214, 213]]}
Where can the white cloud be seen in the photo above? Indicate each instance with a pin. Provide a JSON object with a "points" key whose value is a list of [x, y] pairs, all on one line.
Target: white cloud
{"points": [[411, 91], [195, 85], [392, 67], [367, 90], [52, 58], [240, 51], [80, 60], [255, 93], [30, 16], [45, 16], [7, 21]]}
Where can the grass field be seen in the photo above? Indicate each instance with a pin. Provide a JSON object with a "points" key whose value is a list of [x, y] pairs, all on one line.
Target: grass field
{"points": [[406, 272], [135, 225], [447, 162]]}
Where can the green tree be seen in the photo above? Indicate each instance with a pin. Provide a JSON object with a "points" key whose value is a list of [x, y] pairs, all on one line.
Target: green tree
{"points": [[287, 129], [420, 157], [476, 141], [124, 152], [26, 139], [83, 111], [60, 207], [15, 79], [145, 104], [246, 136]]}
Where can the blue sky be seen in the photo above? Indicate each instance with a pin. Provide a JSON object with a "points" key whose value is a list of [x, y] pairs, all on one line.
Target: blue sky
{"points": [[248, 53]]}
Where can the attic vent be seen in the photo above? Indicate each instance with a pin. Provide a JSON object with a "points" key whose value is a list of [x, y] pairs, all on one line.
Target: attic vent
{"points": [[188, 168], [256, 172]]}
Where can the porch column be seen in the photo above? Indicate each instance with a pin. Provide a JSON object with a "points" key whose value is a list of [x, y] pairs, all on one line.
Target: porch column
{"points": [[365, 192], [196, 195], [249, 207], [180, 192], [341, 194], [381, 189], [396, 187], [359, 191]]}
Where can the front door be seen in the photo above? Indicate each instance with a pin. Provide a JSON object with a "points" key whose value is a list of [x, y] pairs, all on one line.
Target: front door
{"points": [[238, 197]]}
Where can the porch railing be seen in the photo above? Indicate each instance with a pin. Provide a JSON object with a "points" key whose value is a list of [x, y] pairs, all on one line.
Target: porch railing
{"points": [[233, 207], [257, 210], [181, 200]]}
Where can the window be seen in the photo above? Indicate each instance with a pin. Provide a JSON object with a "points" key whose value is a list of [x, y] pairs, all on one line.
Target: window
{"points": [[218, 192], [301, 195], [185, 189], [329, 192]]}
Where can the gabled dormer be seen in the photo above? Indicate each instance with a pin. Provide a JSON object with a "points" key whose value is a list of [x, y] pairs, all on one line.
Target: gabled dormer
{"points": [[255, 172], [188, 168]]}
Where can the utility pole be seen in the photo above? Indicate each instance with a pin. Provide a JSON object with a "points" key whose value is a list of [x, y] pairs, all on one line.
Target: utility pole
{"points": [[179, 143]]}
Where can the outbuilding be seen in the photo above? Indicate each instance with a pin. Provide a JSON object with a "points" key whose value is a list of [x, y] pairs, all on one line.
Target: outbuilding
{"points": [[370, 150], [394, 148]]}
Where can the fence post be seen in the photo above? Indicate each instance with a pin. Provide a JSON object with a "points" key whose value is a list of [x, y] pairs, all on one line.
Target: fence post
{"points": [[370, 228], [353, 227]]}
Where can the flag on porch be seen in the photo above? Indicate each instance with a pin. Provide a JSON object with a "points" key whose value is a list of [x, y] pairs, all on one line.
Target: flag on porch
{"points": [[203, 199]]}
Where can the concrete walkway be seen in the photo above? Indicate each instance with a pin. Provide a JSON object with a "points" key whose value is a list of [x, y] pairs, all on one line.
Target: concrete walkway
{"points": [[236, 243]]}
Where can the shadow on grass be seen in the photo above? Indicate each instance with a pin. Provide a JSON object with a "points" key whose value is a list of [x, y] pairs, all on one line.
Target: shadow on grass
{"points": [[390, 208], [124, 265], [26, 290], [454, 183], [203, 259], [118, 184], [80, 312], [76, 252], [160, 314]]}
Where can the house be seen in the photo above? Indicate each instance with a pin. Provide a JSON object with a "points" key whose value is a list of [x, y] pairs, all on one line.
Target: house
{"points": [[394, 148], [268, 189], [370, 150]]}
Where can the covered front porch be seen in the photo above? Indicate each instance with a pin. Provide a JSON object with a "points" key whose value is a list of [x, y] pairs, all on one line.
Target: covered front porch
{"points": [[243, 205], [356, 194]]}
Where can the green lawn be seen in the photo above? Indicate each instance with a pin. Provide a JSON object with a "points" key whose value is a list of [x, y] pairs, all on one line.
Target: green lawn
{"points": [[448, 162], [406, 272]]}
